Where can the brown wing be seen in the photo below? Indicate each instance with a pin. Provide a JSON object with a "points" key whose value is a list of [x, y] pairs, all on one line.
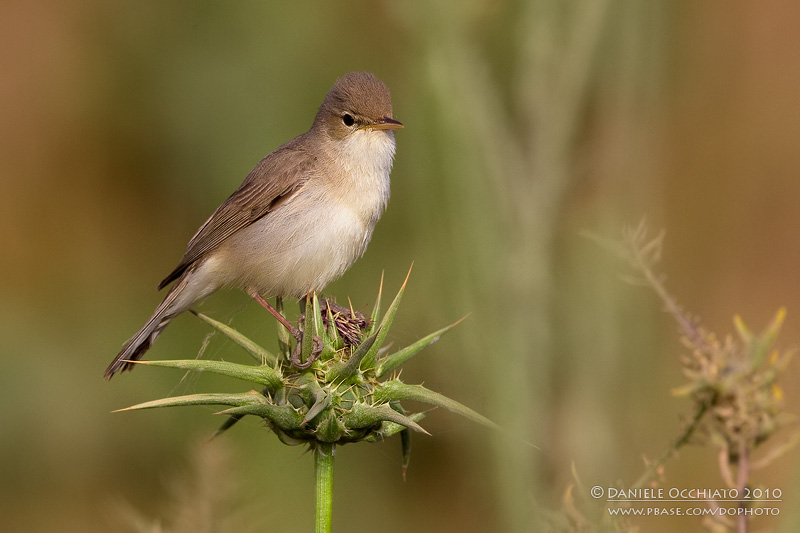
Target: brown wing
{"points": [[274, 180]]}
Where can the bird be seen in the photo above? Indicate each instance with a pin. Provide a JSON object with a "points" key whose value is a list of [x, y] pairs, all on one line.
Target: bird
{"points": [[300, 218]]}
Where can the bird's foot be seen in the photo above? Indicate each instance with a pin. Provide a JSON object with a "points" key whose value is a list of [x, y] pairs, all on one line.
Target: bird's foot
{"points": [[296, 333], [316, 349]]}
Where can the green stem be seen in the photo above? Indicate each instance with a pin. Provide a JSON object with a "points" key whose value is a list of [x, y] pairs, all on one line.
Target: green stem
{"points": [[323, 466], [682, 440]]}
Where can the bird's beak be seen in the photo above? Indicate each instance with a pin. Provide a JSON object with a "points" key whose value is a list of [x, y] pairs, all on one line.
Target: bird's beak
{"points": [[385, 123]]}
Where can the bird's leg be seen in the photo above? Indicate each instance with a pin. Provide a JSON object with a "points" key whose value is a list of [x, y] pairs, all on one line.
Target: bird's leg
{"points": [[296, 333]]}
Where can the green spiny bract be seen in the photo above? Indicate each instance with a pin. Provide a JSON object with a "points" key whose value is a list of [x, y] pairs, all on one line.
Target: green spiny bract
{"points": [[340, 397]]}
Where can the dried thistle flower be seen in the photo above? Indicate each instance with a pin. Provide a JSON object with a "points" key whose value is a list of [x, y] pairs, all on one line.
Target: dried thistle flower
{"points": [[732, 382]]}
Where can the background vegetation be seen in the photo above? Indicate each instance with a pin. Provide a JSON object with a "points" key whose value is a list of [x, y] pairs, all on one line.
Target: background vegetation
{"points": [[124, 124]]}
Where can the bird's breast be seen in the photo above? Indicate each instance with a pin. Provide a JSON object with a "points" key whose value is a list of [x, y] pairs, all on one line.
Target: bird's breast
{"points": [[310, 240], [362, 163]]}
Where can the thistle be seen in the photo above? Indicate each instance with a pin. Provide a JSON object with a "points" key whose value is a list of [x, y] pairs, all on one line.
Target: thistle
{"points": [[335, 386]]}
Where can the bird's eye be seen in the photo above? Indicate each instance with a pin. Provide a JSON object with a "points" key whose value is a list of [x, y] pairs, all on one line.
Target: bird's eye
{"points": [[348, 119]]}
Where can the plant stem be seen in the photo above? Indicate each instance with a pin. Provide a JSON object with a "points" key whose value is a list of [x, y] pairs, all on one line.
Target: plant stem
{"points": [[323, 467], [652, 470], [687, 326], [743, 475]]}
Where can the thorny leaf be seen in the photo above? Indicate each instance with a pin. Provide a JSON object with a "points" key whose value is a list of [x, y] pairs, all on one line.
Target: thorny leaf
{"points": [[337, 399]]}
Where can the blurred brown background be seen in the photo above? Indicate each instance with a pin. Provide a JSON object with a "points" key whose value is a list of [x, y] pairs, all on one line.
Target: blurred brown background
{"points": [[124, 124]]}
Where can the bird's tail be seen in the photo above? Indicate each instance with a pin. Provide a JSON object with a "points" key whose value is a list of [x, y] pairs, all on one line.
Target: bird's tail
{"points": [[135, 348]]}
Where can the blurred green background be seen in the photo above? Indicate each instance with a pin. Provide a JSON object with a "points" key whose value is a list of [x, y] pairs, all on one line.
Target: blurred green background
{"points": [[124, 124]]}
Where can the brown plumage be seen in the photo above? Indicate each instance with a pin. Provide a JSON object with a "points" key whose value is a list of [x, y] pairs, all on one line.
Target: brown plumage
{"points": [[302, 216]]}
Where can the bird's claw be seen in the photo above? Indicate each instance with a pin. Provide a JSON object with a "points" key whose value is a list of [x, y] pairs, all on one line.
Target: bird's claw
{"points": [[316, 349]]}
